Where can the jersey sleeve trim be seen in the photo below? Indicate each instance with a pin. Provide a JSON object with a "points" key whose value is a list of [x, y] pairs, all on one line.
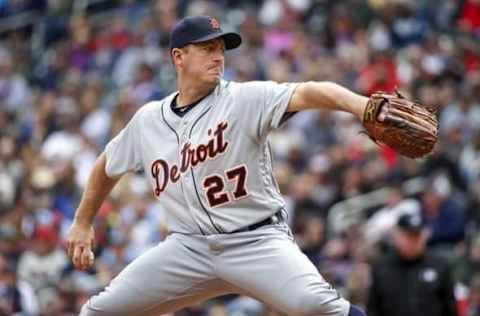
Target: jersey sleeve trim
{"points": [[123, 152], [281, 115]]}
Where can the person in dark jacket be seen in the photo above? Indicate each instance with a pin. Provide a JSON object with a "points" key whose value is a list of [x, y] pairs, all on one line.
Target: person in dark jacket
{"points": [[411, 281]]}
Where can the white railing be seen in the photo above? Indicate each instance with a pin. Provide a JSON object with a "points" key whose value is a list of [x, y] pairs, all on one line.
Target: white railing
{"points": [[351, 211]]}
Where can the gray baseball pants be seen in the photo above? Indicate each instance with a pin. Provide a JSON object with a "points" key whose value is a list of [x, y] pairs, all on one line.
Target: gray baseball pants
{"points": [[187, 269]]}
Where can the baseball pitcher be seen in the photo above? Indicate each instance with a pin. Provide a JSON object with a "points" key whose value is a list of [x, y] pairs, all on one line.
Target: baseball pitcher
{"points": [[205, 151]]}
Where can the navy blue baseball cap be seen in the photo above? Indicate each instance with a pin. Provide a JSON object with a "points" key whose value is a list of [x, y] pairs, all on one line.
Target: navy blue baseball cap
{"points": [[197, 29]]}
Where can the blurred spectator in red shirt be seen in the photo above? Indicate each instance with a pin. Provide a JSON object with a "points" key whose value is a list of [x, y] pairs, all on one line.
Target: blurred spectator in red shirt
{"points": [[470, 16], [474, 298], [380, 74]]}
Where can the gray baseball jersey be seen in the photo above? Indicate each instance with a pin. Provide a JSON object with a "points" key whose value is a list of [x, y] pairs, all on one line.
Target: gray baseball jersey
{"points": [[212, 170]]}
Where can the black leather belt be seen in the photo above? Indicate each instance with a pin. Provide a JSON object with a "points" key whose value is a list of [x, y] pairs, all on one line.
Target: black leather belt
{"points": [[274, 219]]}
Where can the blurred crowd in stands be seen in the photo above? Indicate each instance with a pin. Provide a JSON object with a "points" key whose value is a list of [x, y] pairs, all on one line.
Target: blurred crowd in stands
{"points": [[73, 74]]}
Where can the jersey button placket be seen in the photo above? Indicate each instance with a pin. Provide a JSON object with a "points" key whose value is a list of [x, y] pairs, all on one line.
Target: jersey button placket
{"points": [[184, 132]]}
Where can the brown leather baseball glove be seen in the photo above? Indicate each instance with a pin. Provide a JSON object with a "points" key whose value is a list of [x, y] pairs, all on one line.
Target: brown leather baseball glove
{"points": [[407, 127]]}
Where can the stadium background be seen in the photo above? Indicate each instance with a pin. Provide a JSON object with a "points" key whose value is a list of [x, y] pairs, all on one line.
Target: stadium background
{"points": [[72, 73]]}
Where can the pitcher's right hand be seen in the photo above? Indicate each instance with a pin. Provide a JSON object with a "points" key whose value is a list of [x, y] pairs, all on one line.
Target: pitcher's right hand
{"points": [[80, 241]]}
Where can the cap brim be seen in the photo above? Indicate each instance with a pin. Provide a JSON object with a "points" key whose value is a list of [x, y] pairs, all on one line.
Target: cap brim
{"points": [[232, 40]]}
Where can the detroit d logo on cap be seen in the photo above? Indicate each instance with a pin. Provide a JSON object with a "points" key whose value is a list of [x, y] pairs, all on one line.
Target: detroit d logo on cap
{"points": [[214, 23]]}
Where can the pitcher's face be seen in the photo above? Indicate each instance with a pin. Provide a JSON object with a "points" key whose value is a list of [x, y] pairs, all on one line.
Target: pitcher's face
{"points": [[203, 62]]}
